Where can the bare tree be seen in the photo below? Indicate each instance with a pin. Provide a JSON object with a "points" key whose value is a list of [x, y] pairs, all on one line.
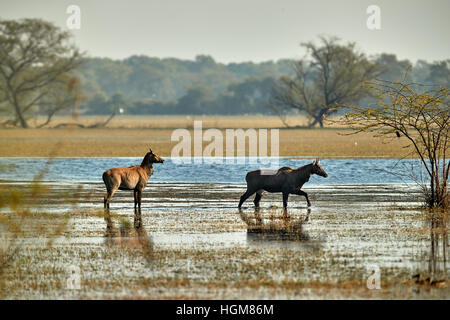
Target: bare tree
{"points": [[62, 94], [419, 114], [330, 75], [34, 56]]}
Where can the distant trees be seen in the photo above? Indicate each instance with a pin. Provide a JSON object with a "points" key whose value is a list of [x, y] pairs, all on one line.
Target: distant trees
{"points": [[172, 86], [159, 84], [439, 73], [248, 97], [330, 75], [42, 73], [168, 79], [392, 69], [103, 105], [197, 100], [36, 59]]}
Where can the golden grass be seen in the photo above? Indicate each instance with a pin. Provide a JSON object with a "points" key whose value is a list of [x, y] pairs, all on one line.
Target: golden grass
{"points": [[131, 136], [173, 122]]}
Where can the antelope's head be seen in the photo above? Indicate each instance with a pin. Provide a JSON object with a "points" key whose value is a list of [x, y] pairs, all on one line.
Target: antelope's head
{"points": [[317, 169], [153, 157]]}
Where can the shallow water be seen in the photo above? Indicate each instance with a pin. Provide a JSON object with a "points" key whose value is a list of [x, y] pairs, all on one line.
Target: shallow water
{"points": [[232, 170], [196, 234]]}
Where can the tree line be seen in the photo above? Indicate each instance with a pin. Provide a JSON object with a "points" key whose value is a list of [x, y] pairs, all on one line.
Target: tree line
{"points": [[43, 73], [148, 85]]}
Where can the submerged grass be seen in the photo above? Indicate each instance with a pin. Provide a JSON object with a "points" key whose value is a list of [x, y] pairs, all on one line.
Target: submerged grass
{"points": [[161, 256], [124, 273]]}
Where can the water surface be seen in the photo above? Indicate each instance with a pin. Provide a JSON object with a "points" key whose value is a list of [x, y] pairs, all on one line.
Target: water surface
{"points": [[340, 171]]}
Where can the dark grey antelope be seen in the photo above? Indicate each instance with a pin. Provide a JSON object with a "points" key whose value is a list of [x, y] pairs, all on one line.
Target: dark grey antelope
{"points": [[132, 178], [286, 180]]}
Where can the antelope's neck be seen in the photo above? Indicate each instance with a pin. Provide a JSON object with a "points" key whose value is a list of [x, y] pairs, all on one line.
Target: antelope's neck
{"points": [[305, 174], [309, 171], [148, 168]]}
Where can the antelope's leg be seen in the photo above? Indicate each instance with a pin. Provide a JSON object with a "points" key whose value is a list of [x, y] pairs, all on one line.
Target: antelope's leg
{"points": [[109, 195], [135, 198], [139, 198], [285, 199], [302, 193], [105, 200], [257, 198], [245, 196]]}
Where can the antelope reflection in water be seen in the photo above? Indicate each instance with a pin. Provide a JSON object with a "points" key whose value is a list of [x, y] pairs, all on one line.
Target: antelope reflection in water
{"points": [[275, 228], [128, 238]]}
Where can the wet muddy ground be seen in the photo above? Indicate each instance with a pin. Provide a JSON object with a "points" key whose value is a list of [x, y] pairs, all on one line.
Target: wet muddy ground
{"points": [[190, 241]]}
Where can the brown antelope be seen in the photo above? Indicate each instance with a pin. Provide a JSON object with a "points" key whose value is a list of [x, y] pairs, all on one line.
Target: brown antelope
{"points": [[132, 178], [285, 180]]}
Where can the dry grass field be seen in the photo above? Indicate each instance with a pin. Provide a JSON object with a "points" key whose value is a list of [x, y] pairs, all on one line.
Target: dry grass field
{"points": [[128, 136]]}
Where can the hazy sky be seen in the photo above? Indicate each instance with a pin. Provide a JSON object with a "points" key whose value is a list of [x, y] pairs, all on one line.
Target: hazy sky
{"points": [[242, 30]]}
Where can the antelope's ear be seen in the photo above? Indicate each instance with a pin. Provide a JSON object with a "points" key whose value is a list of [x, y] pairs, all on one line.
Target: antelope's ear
{"points": [[151, 151], [318, 161]]}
